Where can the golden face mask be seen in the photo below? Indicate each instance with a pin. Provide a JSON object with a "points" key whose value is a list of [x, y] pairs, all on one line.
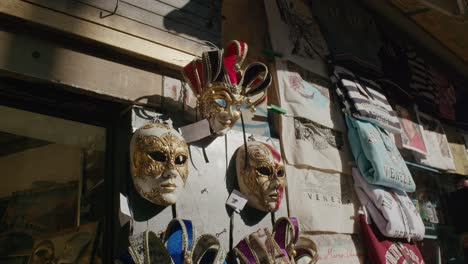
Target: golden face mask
{"points": [[222, 87], [263, 179], [158, 163], [221, 107]]}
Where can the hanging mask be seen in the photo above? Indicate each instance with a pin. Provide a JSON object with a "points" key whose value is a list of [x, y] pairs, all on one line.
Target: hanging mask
{"points": [[222, 87], [263, 179], [158, 163]]}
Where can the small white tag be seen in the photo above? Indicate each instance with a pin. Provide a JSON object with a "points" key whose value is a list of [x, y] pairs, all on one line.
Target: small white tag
{"points": [[237, 201], [124, 215], [196, 131]]}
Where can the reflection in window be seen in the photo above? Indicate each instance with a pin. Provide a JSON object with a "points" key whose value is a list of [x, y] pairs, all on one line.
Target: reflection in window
{"points": [[51, 196]]}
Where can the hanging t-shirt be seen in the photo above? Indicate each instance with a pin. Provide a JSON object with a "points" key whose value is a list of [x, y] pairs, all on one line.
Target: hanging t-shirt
{"points": [[438, 154], [377, 156], [384, 250], [364, 100], [358, 41], [392, 211]]}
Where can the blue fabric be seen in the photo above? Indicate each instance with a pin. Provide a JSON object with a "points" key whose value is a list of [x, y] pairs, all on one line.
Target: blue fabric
{"points": [[175, 241], [377, 156], [126, 258]]}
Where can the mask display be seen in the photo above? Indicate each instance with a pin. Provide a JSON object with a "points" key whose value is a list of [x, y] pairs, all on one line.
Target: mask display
{"points": [[158, 163], [263, 179], [222, 87]]}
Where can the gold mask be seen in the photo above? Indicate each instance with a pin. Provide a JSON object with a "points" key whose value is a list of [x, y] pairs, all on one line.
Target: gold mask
{"points": [[222, 87], [263, 179], [221, 107], [158, 163]]}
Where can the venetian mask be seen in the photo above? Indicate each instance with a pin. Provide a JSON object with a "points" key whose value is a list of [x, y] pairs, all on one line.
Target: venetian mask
{"points": [[222, 87], [263, 179], [158, 163]]}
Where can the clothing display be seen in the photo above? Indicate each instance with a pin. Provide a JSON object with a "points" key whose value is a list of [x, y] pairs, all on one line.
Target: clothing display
{"points": [[438, 150], [421, 81], [445, 93], [306, 143], [223, 86], [331, 194], [261, 176], [304, 94], [456, 143], [159, 163], [358, 41], [377, 156], [392, 211], [384, 250], [296, 35], [411, 136], [364, 100]]}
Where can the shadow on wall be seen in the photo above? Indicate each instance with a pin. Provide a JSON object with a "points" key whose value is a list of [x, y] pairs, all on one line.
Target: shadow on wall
{"points": [[200, 19]]}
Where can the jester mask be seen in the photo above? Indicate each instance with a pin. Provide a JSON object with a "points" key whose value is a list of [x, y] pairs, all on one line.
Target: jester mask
{"points": [[223, 87], [263, 179], [158, 163]]}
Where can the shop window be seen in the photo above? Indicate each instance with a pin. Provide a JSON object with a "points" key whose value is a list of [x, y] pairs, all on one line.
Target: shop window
{"points": [[52, 190]]}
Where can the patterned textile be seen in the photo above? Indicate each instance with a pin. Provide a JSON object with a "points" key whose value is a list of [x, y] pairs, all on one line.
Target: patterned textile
{"points": [[296, 35], [438, 154], [392, 211], [331, 194], [411, 136], [377, 156], [337, 248], [422, 82], [359, 40], [304, 94], [363, 99], [456, 142], [445, 93], [306, 143], [384, 250]]}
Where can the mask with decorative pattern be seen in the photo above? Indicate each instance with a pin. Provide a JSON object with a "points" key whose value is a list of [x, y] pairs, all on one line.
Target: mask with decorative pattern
{"points": [[223, 87], [158, 163], [263, 179]]}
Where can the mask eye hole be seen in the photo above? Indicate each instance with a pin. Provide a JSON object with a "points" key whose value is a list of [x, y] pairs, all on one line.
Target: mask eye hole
{"points": [[280, 173], [180, 160], [264, 171], [158, 156], [220, 102]]}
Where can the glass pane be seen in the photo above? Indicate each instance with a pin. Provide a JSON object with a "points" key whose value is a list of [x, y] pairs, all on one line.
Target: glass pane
{"points": [[52, 194]]}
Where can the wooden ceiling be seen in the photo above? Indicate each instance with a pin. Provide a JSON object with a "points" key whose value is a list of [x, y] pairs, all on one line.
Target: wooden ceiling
{"points": [[450, 30]]}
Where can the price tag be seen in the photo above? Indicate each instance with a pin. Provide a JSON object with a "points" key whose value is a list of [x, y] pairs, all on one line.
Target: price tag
{"points": [[124, 215], [196, 131], [237, 201]]}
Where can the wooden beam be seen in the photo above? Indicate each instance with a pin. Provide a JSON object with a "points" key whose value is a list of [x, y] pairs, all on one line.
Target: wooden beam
{"points": [[120, 39], [30, 58]]}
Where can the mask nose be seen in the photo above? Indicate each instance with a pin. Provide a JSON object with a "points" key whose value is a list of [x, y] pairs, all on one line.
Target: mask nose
{"points": [[170, 173], [274, 182]]}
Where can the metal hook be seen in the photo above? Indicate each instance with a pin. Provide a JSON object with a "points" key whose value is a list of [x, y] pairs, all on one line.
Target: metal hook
{"points": [[204, 190], [112, 13], [224, 231]]}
